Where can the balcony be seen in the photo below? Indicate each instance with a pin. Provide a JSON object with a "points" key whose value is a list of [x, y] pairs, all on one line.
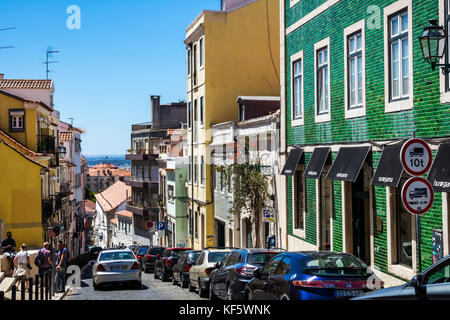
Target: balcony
{"points": [[141, 126], [144, 183], [46, 144], [141, 154], [64, 189], [47, 210], [142, 210]]}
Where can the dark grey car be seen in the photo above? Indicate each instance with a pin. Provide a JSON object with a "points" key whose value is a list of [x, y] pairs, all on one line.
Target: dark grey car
{"points": [[432, 284]]}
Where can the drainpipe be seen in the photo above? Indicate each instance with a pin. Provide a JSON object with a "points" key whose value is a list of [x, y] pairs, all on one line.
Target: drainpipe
{"points": [[192, 140]]}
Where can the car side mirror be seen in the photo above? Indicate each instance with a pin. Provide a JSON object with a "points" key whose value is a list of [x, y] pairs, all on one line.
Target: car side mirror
{"points": [[417, 282], [257, 273], [157, 256]]}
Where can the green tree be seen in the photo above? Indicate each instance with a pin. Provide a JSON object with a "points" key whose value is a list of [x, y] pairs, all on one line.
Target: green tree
{"points": [[89, 194]]}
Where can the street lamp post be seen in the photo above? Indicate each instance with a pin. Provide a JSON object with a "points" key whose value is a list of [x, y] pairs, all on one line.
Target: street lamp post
{"points": [[434, 42]]}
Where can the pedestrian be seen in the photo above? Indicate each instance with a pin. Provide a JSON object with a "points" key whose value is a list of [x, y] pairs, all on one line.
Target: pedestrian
{"points": [[61, 263], [9, 249], [23, 267], [43, 260]]}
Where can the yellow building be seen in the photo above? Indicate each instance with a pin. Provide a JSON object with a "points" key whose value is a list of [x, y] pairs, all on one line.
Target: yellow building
{"points": [[230, 53], [29, 185]]}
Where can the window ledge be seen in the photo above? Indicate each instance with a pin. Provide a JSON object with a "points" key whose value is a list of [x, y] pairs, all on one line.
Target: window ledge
{"points": [[445, 97], [323, 118], [355, 113], [299, 233], [401, 105], [401, 271], [298, 122]]}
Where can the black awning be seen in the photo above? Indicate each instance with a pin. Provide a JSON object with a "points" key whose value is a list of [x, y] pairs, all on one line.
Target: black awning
{"points": [[439, 175], [390, 169], [348, 163], [316, 163], [292, 162]]}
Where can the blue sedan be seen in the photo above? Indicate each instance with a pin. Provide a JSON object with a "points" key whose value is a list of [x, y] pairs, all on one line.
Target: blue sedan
{"points": [[312, 276]]}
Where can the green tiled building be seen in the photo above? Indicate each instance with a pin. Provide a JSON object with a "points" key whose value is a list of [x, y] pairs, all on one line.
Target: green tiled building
{"points": [[355, 87]]}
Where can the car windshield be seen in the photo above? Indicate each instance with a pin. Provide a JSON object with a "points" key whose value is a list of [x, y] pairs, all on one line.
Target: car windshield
{"points": [[142, 251], [110, 256], [193, 256], [261, 257], [154, 251], [177, 252], [334, 265], [215, 257]]}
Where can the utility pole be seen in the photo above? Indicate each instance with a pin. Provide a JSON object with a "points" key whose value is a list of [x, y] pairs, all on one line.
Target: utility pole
{"points": [[47, 62]]}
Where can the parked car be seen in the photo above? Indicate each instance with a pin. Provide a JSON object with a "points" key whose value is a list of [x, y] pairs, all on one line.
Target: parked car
{"points": [[148, 260], [229, 279], [94, 252], [311, 276], [140, 252], [116, 267], [431, 284], [165, 262], [184, 264], [200, 271]]}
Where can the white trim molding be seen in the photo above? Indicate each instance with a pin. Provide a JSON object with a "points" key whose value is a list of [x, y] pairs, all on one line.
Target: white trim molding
{"points": [[298, 121], [360, 111], [405, 104], [325, 43], [445, 95]]}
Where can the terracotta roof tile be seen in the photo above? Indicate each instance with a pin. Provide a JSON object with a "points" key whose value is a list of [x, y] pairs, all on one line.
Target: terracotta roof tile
{"points": [[25, 84], [114, 221], [89, 206], [65, 136], [114, 196], [125, 213]]}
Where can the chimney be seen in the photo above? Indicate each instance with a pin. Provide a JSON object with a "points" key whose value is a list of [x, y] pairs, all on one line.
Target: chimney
{"points": [[156, 104]]}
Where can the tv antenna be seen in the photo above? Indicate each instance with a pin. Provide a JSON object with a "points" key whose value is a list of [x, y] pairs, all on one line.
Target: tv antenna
{"points": [[50, 53], [71, 121], [7, 29]]}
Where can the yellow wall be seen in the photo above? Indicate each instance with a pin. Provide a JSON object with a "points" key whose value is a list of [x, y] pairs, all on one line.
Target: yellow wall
{"points": [[20, 197]]}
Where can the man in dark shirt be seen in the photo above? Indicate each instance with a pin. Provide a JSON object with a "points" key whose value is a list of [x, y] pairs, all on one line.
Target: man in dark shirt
{"points": [[9, 249]]}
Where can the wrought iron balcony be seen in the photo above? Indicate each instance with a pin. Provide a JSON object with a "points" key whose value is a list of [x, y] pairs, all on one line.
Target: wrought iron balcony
{"points": [[46, 144], [47, 210]]}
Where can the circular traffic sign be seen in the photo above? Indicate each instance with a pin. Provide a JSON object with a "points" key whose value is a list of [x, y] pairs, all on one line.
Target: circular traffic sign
{"points": [[149, 224], [417, 195], [416, 157]]}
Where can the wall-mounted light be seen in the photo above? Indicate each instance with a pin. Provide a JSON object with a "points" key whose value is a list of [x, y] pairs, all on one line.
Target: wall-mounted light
{"points": [[433, 42]]}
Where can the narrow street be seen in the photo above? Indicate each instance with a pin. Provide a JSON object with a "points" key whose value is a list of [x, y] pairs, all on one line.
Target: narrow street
{"points": [[151, 290]]}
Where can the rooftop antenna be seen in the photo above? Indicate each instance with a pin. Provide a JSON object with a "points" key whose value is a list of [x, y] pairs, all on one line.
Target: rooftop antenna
{"points": [[50, 52], [71, 121], [6, 29]]}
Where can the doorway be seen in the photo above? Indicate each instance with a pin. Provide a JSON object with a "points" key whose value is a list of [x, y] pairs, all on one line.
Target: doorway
{"points": [[203, 233], [220, 227], [248, 233], [325, 196], [360, 218]]}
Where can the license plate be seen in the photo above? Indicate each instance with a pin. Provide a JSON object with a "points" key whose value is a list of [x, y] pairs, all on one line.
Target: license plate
{"points": [[117, 268], [347, 293]]}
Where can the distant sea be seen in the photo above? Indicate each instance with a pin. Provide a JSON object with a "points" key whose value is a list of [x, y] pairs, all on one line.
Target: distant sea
{"points": [[117, 160]]}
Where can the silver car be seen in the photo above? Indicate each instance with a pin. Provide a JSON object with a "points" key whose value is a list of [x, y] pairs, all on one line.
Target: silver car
{"points": [[116, 266]]}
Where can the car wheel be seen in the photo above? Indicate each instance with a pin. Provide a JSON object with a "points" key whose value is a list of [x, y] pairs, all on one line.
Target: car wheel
{"points": [[229, 293], [184, 283], [96, 286], [191, 287], [155, 275], [138, 285], [202, 292], [212, 296]]}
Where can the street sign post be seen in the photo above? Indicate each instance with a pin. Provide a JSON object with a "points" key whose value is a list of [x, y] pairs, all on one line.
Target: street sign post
{"points": [[417, 193], [268, 215], [149, 224], [416, 157], [161, 226]]}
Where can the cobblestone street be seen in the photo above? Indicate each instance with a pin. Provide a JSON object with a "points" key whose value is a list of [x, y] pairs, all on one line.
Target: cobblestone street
{"points": [[151, 290]]}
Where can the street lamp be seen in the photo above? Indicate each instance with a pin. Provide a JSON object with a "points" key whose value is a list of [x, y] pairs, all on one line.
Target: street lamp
{"points": [[433, 42]]}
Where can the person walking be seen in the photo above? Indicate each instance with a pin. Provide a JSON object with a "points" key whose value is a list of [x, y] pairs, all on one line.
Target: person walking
{"points": [[61, 263], [43, 260], [9, 249], [23, 267]]}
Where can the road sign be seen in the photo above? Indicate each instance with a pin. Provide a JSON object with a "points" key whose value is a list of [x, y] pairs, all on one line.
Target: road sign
{"points": [[161, 226], [417, 195], [416, 157], [268, 215], [149, 224]]}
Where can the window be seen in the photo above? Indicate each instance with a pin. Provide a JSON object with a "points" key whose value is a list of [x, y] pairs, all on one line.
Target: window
{"points": [[195, 170], [201, 52], [16, 120], [196, 225], [404, 229], [202, 170], [189, 62], [322, 81], [355, 71], [271, 267], [190, 115], [297, 84], [195, 64], [299, 201], [399, 56], [190, 172], [438, 276], [195, 120], [170, 193], [202, 111], [191, 223]]}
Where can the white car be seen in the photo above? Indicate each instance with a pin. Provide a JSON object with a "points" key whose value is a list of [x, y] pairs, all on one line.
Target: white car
{"points": [[116, 267], [200, 270]]}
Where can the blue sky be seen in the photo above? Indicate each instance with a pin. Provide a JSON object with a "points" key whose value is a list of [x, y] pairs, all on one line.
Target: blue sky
{"points": [[124, 52]]}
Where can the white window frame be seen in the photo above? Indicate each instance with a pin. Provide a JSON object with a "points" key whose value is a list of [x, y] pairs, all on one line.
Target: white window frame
{"points": [[202, 111], [445, 95], [17, 122], [405, 104], [293, 3], [189, 62], [202, 171], [297, 121], [359, 111], [201, 55], [325, 117]]}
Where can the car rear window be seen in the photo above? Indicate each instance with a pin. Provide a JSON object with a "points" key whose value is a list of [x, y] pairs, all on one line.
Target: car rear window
{"points": [[215, 257], [154, 251], [334, 265], [110, 256], [260, 257], [177, 252]]}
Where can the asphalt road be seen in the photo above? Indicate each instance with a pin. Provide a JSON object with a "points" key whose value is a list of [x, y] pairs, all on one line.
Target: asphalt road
{"points": [[151, 290]]}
